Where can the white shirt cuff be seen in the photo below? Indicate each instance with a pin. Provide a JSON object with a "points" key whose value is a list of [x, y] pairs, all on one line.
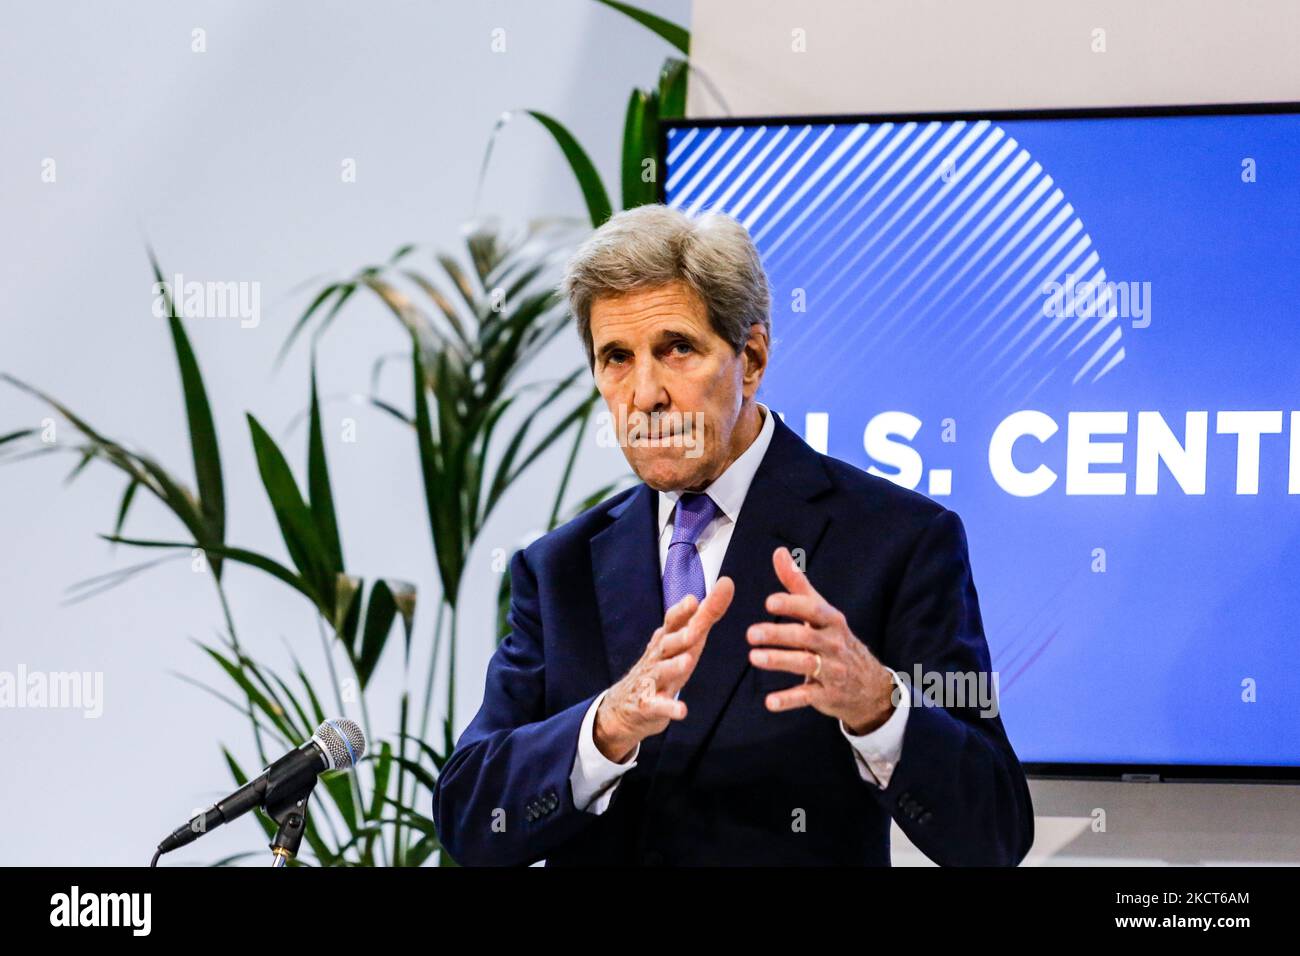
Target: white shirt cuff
{"points": [[595, 777], [878, 751]]}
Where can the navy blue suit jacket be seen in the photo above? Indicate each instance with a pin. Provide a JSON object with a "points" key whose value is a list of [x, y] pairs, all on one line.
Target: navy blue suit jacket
{"points": [[734, 783]]}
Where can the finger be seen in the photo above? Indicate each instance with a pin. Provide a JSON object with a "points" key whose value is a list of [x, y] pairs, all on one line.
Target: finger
{"points": [[676, 616], [789, 635], [692, 639], [673, 671], [803, 663], [801, 695], [674, 685], [678, 642], [660, 706], [794, 580], [653, 645], [812, 609], [713, 606]]}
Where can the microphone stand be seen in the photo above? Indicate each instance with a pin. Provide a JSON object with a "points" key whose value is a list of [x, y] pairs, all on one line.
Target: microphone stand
{"points": [[281, 791], [289, 810]]}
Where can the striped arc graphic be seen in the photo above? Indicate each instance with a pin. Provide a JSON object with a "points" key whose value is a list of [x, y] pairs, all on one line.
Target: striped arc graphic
{"points": [[943, 235]]}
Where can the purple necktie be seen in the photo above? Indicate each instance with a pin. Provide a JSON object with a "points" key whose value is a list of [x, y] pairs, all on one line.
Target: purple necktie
{"points": [[683, 572]]}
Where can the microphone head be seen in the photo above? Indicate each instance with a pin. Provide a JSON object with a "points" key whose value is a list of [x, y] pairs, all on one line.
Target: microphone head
{"points": [[342, 741]]}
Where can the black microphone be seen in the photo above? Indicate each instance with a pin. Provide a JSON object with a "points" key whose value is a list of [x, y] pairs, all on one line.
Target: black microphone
{"points": [[337, 745]]}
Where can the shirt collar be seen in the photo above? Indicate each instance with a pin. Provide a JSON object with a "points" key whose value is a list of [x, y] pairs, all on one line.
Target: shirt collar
{"points": [[728, 490]]}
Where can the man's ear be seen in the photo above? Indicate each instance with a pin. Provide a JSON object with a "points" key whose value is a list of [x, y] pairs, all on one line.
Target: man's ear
{"points": [[755, 357]]}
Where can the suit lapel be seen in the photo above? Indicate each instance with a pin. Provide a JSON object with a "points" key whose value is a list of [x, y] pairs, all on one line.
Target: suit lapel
{"points": [[629, 590]]}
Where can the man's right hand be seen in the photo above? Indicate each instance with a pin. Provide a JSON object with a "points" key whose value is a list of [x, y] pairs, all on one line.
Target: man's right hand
{"points": [[642, 703]]}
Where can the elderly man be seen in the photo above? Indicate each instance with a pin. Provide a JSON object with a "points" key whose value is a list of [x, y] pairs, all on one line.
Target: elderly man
{"points": [[710, 667]]}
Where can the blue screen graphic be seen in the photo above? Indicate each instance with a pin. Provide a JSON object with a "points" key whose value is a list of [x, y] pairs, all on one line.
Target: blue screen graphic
{"points": [[1080, 333]]}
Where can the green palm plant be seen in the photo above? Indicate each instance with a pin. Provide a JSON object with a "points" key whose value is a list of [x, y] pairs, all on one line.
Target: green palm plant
{"points": [[646, 108], [479, 427], [360, 621], [473, 332], [637, 175], [471, 377]]}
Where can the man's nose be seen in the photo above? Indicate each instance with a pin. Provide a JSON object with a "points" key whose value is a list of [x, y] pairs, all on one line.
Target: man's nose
{"points": [[649, 394]]}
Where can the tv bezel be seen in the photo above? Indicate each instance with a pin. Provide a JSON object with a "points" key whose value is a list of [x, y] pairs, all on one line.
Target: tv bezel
{"points": [[1057, 770]]}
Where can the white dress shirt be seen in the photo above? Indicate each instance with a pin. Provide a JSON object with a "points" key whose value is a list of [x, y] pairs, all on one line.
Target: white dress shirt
{"points": [[595, 777]]}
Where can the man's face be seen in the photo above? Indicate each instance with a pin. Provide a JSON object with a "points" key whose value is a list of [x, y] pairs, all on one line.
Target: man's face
{"points": [[658, 362]]}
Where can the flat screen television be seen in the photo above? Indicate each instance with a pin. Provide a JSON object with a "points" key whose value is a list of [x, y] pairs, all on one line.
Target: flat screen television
{"points": [[1080, 330]]}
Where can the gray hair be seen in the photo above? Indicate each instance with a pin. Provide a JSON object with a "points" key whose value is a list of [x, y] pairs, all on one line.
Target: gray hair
{"points": [[653, 245]]}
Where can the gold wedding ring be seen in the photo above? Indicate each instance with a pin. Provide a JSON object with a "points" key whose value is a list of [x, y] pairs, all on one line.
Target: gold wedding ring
{"points": [[807, 678]]}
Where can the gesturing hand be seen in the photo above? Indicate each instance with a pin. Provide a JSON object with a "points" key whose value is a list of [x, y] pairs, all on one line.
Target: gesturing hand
{"points": [[642, 703], [842, 678]]}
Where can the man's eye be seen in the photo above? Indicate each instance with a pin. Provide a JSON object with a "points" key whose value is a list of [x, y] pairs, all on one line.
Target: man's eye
{"points": [[681, 344]]}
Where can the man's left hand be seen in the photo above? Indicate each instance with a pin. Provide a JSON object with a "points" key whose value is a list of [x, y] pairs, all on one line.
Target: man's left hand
{"points": [[849, 683]]}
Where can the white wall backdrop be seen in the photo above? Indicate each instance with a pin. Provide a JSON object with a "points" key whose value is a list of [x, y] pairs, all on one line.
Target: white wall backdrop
{"points": [[898, 55], [229, 163], [926, 55]]}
